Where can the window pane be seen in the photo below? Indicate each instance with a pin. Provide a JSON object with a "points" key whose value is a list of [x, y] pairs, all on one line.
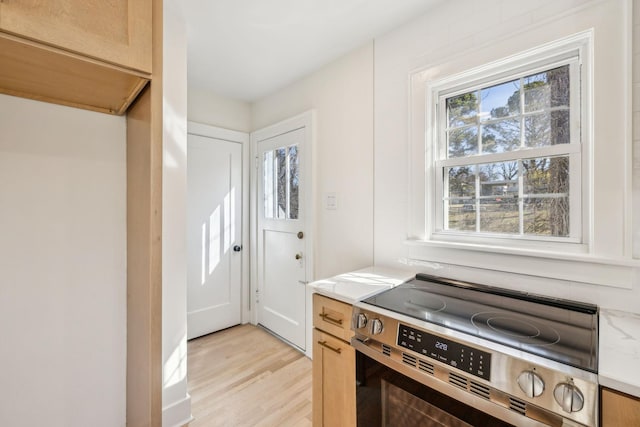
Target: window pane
{"points": [[547, 89], [499, 179], [499, 211], [281, 181], [281, 170], [462, 109], [501, 136], [546, 175], [462, 215], [294, 181], [267, 167], [499, 215], [463, 142], [462, 182], [546, 129], [500, 100], [547, 216]]}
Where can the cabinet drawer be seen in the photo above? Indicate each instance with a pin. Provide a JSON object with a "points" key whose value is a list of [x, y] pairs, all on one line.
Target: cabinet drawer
{"points": [[332, 316]]}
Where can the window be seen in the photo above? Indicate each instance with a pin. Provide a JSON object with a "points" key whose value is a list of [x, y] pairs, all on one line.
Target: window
{"points": [[580, 173], [281, 182], [508, 152]]}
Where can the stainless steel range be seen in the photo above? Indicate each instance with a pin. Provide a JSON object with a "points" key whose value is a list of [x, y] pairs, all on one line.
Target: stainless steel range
{"points": [[459, 353]]}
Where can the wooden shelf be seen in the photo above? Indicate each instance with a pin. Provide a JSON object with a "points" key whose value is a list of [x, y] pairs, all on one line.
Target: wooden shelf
{"points": [[44, 73]]}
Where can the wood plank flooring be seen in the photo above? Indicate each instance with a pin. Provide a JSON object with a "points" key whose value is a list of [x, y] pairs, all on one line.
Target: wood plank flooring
{"points": [[244, 376]]}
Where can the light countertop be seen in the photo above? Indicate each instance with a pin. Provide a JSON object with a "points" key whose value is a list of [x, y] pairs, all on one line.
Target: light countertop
{"points": [[619, 353], [357, 285]]}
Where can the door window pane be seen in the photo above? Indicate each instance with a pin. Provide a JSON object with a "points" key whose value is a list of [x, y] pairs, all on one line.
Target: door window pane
{"points": [[281, 185], [294, 182], [281, 180]]}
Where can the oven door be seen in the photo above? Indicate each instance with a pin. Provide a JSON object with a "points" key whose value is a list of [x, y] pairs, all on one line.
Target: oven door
{"points": [[386, 397]]}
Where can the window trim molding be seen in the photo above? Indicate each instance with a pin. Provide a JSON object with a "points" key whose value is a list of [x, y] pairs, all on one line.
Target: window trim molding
{"points": [[618, 273]]}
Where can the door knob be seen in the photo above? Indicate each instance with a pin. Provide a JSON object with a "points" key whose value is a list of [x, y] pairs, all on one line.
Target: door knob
{"points": [[237, 248], [300, 234], [298, 256]]}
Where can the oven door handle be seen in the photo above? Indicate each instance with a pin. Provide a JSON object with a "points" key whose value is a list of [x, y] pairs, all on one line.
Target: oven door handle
{"points": [[325, 345]]}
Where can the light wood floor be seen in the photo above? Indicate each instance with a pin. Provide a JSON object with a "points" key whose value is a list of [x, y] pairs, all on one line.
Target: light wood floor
{"points": [[243, 376]]}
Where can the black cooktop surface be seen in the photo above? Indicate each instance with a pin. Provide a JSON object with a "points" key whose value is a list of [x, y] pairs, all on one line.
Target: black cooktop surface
{"points": [[561, 330]]}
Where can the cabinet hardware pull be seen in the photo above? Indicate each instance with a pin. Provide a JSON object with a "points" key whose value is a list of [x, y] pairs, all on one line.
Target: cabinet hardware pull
{"points": [[330, 319], [325, 345]]}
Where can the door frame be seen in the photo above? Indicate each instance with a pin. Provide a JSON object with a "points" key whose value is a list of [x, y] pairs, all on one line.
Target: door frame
{"points": [[305, 120], [242, 138]]}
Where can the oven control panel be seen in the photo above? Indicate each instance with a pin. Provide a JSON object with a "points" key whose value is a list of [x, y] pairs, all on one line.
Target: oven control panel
{"points": [[460, 356]]}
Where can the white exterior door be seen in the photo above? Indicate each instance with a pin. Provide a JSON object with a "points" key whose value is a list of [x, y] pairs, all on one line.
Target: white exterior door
{"points": [[283, 245], [214, 234]]}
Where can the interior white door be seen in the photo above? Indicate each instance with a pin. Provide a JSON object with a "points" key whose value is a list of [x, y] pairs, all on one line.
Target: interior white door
{"points": [[281, 235], [214, 234]]}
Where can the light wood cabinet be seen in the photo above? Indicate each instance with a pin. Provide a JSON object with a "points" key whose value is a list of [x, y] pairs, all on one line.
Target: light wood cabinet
{"points": [[619, 409], [115, 31], [334, 366], [87, 54]]}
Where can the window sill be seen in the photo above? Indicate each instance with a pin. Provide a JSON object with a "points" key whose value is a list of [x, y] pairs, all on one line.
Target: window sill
{"points": [[561, 266]]}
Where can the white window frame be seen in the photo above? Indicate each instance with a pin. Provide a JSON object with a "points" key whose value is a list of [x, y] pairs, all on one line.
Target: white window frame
{"points": [[574, 51]]}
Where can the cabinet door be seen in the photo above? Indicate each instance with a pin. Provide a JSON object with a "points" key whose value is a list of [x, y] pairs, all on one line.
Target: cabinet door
{"points": [[619, 409], [334, 382], [116, 31]]}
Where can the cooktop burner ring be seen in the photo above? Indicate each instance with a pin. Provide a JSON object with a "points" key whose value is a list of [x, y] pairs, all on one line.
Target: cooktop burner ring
{"points": [[529, 332], [431, 305]]}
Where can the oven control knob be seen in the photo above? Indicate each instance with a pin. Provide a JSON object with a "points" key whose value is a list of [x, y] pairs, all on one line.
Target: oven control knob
{"points": [[360, 321], [375, 326], [569, 397], [531, 383]]}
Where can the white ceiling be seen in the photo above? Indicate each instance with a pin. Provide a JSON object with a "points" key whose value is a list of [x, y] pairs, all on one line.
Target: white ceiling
{"points": [[246, 49]]}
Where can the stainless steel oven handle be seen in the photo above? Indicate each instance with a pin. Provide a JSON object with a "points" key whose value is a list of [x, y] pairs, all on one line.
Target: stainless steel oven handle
{"points": [[325, 345]]}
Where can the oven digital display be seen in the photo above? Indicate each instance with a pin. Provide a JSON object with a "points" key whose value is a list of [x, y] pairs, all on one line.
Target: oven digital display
{"points": [[460, 356]]}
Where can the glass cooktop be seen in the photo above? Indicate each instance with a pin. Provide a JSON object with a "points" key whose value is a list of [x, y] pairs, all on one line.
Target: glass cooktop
{"points": [[561, 330]]}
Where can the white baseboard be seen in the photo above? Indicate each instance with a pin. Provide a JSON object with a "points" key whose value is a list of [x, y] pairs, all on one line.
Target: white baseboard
{"points": [[177, 414]]}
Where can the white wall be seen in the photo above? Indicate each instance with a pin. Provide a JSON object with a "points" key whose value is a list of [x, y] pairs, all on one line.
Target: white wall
{"points": [[470, 26], [342, 95], [62, 266], [176, 401], [212, 109]]}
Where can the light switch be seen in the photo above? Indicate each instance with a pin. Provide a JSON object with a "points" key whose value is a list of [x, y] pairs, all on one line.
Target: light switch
{"points": [[331, 201]]}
